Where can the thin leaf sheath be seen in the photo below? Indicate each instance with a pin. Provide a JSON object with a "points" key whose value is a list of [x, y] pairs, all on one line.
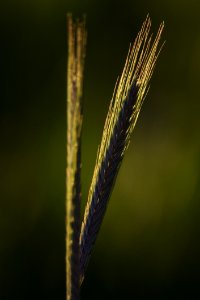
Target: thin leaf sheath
{"points": [[76, 53], [123, 112]]}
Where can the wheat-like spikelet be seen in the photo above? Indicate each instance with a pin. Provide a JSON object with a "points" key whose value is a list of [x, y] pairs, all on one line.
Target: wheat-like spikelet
{"points": [[123, 112], [76, 54]]}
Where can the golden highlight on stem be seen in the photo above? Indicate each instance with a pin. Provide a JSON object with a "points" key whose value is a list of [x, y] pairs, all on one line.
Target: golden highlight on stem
{"points": [[75, 66]]}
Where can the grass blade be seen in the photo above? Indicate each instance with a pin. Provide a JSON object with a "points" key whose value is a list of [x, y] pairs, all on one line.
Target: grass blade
{"points": [[76, 54]]}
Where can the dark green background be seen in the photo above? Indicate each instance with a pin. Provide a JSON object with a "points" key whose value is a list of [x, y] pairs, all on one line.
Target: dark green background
{"points": [[148, 247]]}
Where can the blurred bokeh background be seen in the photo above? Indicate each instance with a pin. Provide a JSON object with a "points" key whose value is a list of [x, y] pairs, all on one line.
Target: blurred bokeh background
{"points": [[148, 247]]}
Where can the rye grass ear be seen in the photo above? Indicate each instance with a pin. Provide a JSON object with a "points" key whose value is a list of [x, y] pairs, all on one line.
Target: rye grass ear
{"points": [[76, 54], [123, 112]]}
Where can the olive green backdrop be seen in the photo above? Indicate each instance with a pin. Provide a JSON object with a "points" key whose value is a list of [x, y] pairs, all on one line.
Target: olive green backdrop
{"points": [[148, 247]]}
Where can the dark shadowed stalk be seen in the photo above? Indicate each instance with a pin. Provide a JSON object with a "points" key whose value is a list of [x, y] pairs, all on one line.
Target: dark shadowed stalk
{"points": [[76, 54], [123, 112]]}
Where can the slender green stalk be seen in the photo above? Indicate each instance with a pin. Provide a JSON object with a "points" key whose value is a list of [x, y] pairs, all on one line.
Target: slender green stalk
{"points": [[76, 54], [124, 109]]}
